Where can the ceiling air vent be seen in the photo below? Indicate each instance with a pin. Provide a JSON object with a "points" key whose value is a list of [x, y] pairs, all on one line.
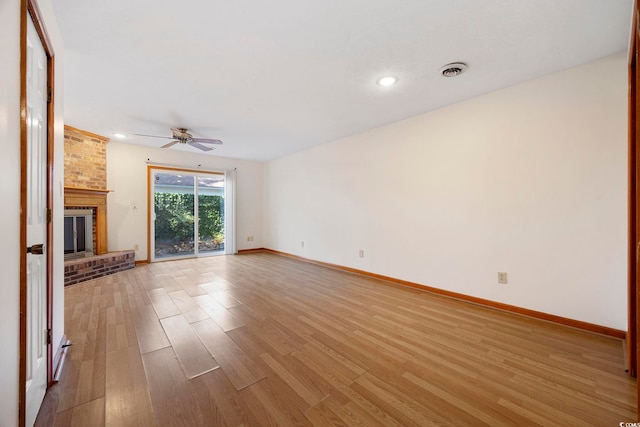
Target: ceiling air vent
{"points": [[452, 70]]}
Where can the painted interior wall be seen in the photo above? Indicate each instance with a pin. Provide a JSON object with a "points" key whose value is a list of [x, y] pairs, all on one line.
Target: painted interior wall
{"points": [[10, 208], [10, 196], [529, 180], [127, 204]]}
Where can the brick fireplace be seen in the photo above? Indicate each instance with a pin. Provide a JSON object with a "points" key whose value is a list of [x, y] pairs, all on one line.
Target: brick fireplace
{"points": [[85, 187]]}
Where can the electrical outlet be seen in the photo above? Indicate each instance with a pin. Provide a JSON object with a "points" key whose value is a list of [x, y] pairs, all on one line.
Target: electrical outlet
{"points": [[502, 278], [136, 247], [361, 253], [302, 244]]}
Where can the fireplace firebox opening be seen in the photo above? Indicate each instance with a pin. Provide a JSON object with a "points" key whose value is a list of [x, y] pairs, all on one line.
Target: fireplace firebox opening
{"points": [[78, 233]]}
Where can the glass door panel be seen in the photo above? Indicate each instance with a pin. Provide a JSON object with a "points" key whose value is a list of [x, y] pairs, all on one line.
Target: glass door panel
{"points": [[210, 214], [69, 236], [80, 231], [175, 215], [185, 205]]}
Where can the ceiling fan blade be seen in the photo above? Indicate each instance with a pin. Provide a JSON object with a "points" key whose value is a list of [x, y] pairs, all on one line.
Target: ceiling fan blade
{"points": [[207, 141], [200, 146], [169, 144], [153, 136]]}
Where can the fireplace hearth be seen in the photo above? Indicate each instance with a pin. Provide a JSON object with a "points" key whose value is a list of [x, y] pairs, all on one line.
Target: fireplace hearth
{"points": [[89, 268], [85, 205]]}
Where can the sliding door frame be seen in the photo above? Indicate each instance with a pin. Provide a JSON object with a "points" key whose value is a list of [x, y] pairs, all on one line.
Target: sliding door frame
{"points": [[151, 210]]}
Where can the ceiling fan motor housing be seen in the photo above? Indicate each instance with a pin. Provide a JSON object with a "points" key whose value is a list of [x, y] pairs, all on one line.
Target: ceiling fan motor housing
{"points": [[182, 135]]}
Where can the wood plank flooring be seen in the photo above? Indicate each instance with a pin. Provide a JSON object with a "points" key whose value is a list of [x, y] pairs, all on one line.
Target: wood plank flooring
{"points": [[261, 339]]}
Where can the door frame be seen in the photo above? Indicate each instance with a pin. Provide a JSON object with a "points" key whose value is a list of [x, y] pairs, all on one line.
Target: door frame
{"points": [[29, 10], [632, 206], [633, 346], [151, 209]]}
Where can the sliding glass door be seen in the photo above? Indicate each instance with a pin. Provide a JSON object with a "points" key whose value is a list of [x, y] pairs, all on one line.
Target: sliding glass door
{"points": [[210, 190], [188, 215]]}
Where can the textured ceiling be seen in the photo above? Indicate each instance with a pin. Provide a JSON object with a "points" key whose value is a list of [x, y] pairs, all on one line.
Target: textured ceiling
{"points": [[272, 78]]}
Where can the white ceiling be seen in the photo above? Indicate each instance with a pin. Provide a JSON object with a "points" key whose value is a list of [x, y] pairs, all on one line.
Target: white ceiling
{"points": [[271, 78]]}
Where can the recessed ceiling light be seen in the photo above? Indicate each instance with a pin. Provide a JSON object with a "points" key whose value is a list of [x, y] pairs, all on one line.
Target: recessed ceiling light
{"points": [[387, 81], [120, 135]]}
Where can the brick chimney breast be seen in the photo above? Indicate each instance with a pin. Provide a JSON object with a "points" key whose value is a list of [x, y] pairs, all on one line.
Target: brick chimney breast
{"points": [[85, 159]]}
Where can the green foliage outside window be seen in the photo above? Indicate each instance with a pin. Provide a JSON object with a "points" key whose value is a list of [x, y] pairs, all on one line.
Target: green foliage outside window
{"points": [[175, 217], [211, 213]]}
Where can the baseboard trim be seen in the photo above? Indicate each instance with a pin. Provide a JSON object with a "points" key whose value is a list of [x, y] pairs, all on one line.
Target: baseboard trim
{"points": [[578, 324], [142, 262], [250, 251]]}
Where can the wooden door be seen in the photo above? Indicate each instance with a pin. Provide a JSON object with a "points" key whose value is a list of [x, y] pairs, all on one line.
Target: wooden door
{"points": [[36, 221]]}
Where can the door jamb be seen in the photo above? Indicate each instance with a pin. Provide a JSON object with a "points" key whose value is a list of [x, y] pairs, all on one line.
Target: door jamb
{"points": [[632, 353]]}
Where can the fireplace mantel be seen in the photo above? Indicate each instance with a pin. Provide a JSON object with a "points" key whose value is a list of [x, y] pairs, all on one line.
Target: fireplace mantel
{"points": [[90, 198]]}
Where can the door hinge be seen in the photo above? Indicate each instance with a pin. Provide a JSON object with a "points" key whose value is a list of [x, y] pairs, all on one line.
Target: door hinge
{"points": [[49, 93], [48, 336], [49, 216]]}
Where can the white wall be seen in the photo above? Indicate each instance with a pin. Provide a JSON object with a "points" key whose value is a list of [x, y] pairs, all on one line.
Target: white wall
{"points": [[127, 178], [10, 209], [10, 196], [530, 180]]}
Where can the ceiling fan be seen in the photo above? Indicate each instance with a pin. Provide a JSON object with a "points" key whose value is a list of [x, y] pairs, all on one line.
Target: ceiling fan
{"points": [[181, 136]]}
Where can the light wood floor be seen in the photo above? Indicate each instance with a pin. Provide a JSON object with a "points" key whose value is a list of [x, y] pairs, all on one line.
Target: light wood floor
{"points": [[262, 339]]}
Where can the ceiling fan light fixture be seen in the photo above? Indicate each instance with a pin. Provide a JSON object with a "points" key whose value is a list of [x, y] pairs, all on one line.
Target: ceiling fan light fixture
{"points": [[453, 70], [387, 81]]}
